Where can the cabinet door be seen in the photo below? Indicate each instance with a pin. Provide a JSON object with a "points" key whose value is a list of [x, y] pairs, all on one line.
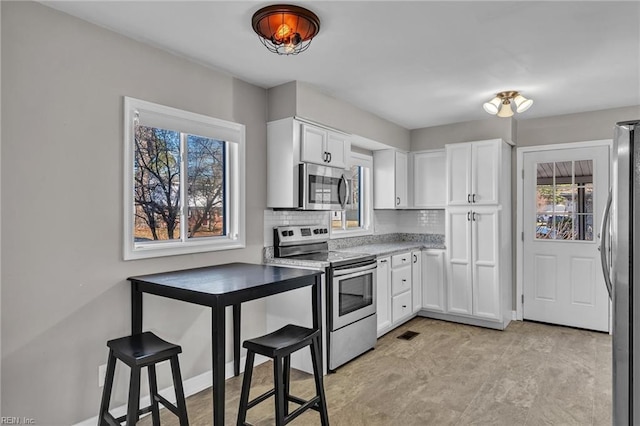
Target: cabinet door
{"points": [[383, 295], [459, 283], [458, 174], [338, 147], [313, 144], [429, 179], [485, 172], [416, 280], [485, 252], [402, 163], [433, 290]]}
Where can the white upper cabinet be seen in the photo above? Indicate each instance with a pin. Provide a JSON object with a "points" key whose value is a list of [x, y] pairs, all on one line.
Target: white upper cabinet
{"points": [[290, 142], [429, 179], [390, 179], [323, 146], [473, 172]]}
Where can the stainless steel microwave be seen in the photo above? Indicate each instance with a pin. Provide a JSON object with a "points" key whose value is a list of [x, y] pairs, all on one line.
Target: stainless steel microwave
{"points": [[324, 188]]}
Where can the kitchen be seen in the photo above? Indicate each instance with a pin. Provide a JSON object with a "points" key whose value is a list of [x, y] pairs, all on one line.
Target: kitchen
{"points": [[64, 287]]}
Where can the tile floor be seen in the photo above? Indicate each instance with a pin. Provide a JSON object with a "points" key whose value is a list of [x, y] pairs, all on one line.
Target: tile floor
{"points": [[451, 374]]}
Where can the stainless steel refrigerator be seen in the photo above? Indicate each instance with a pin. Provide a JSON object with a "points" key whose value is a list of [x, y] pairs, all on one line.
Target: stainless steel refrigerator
{"points": [[620, 252]]}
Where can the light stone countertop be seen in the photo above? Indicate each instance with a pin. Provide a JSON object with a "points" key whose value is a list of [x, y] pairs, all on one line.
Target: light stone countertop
{"points": [[384, 249]]}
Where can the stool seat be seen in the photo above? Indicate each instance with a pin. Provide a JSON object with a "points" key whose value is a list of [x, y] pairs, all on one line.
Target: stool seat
{"points": [[279, 346], [139, 351], [143, 349], [286, 340]]}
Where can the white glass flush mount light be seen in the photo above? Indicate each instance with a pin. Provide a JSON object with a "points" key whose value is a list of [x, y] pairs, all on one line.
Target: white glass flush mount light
{"points": [[500, 105]]}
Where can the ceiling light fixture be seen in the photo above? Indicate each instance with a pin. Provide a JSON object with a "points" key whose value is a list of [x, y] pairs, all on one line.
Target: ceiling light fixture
{"points": [[500, 105], [285, 29]]}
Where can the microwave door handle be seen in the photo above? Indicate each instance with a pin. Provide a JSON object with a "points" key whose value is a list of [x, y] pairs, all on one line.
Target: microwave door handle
{"points": [[604, 236], [341, 185]]}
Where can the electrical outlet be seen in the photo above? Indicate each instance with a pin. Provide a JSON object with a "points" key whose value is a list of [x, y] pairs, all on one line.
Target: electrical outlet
{"points": [[102, 372]]}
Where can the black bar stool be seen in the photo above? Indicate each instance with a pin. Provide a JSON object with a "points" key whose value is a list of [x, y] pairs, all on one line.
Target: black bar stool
{"points": [[138, 351], [279, 346]]}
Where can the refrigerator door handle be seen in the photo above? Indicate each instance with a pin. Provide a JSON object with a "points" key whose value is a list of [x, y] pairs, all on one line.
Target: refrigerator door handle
{"points": [[604, 233]]}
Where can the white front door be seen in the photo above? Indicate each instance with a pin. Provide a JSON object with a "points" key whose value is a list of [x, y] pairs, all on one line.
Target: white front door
{"points": [[565, 192]]}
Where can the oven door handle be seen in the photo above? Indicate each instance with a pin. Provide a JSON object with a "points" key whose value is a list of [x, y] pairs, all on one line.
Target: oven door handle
{"points": [[349, 271]]}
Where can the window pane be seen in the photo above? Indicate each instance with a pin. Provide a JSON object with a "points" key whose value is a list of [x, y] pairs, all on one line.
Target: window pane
{"points": [[583, 229], [544, 200], [353, 213], [156, 184], [206, 187], [336, 219]]}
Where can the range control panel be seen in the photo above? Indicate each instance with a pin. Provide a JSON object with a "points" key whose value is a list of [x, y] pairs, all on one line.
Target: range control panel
{"points": [[300, 234]]}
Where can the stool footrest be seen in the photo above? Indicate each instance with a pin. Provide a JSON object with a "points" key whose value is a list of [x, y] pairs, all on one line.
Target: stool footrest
{"points": [[111, 420], [312, 403], [169, 406], [260, 398]]}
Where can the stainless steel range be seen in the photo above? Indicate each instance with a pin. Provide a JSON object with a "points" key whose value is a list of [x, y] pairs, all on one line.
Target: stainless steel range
{"points": [[351, 289]]}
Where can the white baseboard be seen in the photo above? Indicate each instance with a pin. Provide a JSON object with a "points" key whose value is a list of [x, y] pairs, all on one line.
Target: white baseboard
{"points": [[191, 387]]}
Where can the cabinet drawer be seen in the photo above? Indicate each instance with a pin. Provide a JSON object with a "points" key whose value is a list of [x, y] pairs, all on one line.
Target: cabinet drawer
{"points": [[401, 259], [401, 306], [400, 280]]}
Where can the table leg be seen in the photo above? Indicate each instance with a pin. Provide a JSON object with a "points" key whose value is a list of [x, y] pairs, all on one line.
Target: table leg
{"points": [[218, 361], [236, 340], [316, 312], [136, 309]]}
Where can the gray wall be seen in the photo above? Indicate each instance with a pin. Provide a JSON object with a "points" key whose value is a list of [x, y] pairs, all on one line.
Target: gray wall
{"points": [[438, 136], [306, 101], [64, 288], [585, 126]]}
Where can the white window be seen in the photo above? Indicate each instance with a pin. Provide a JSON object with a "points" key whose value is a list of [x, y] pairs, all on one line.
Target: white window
{"points": [[184, 182], [356, 219]]}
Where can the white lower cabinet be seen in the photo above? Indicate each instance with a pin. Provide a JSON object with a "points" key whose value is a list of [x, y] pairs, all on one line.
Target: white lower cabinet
{"points": [[383, 295], [433, 280], [395, 286], [478, 272], [416, 280]]}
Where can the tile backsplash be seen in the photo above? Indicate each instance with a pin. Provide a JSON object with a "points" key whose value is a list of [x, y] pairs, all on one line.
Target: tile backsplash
{"points": [[385, 221], [273, 218]]}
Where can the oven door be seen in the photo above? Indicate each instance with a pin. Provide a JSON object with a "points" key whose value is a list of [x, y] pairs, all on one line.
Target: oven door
{"points": [[353, 294]]}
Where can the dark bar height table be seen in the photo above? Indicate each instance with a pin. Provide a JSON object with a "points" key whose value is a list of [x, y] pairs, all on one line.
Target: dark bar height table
{"points": [[218, 287]]}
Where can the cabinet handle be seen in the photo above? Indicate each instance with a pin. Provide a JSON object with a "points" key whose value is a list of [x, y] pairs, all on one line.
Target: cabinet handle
{"points": [[326, 157], [415, 258], [473, 198], [404, 306], [383, 261], [397, 201], [404, 280], [329, 154], [474, 216], [468, 216], [469, 198]]}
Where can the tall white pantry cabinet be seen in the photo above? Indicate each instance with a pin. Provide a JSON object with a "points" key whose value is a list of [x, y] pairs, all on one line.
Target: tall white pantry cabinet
{"points": [[478, 233]]}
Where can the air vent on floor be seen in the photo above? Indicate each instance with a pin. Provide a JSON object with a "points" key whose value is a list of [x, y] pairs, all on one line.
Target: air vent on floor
{"points": [[408, 335]]}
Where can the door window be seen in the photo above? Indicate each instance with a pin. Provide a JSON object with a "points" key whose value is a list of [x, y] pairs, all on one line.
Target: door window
{"points": [[564, 201]]}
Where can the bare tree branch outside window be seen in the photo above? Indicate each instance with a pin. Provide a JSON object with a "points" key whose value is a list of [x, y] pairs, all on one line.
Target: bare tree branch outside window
{"points": [[157, 185]]}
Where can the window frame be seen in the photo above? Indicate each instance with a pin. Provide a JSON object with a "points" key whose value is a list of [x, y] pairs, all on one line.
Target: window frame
{"points": [[366, 207], [233, 134]]}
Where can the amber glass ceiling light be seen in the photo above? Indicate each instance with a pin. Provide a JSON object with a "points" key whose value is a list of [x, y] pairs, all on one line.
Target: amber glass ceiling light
{"points": [[285, 29], [500, 105]]}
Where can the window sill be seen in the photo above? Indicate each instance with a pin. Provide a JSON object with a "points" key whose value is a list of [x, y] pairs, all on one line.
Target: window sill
{"points": [[150, 251]]}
